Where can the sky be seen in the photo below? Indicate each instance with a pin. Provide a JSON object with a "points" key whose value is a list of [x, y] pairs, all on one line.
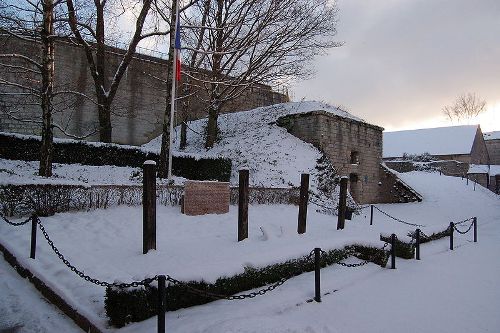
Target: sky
{"points": [[404, 60]]}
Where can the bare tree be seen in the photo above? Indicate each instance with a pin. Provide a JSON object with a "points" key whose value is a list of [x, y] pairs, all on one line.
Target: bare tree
{"points": [[88, 25], [29, 74], [255, 41], [466, 107]]}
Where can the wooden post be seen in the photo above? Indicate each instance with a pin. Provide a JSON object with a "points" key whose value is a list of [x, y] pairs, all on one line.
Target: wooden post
{"points": [[149, 207], [371, 214], [475, 229], [452, 227], [304, 198], [317, 276], [393, 251], [161, 303], [342, 203], [243, 205], [417, 243], [467, 179], [34, 220]]}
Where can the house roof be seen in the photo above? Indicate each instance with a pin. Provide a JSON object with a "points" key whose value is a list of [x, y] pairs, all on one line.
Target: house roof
{"points": [[492, 170], [492, 135], [451, 140]]}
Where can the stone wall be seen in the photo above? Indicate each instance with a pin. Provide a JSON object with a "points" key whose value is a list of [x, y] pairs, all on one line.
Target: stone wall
{"points": [[493, 147], [137, 110], [354, 148], [479, 151]]}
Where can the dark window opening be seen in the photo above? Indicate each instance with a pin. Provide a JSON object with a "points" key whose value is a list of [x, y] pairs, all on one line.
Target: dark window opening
{"points": [[354, 157]]}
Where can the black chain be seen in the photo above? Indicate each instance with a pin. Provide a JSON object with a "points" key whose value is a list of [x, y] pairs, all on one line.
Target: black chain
{"points": [[226, 297], [423, 234], [83, 275], [463, 232], [398, 220], [15, 224], [466, 220]]}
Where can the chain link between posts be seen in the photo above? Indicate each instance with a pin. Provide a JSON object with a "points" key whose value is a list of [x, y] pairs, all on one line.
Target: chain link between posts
{"points": [[82, 274], [396, 219], [463, 232], [16, 224]]}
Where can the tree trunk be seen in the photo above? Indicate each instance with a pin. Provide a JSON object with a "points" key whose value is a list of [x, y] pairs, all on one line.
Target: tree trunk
{"points": [[105, 128], [214, 109], [104, 108], [46, 149], [165, 136]]}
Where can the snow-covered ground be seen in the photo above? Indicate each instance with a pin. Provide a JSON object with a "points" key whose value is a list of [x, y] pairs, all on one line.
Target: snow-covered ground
{"points": [[23, 309], [447, 291]]}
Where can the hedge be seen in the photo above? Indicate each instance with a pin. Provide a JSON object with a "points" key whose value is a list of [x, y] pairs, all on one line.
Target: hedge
{"points": [[27, 148], [124, 306], [406, 250]]}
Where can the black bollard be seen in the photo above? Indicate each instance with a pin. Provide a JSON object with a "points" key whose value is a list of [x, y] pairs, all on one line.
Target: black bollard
{"points": [[317, 277], [475, 229], [417, 243], [393, 251], [452, 227], [34, 220], [371, 214], [161, 303]]}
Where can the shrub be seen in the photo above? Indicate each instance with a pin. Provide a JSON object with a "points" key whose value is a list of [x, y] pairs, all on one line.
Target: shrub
{"points": [[27, 148]]}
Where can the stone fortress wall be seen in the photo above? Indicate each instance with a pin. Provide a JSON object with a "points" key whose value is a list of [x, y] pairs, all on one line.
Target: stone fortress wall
{"points": [[137, 110]]}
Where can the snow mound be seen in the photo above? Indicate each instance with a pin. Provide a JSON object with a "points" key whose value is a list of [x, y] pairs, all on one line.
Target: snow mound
{"points": [[253, 140]]}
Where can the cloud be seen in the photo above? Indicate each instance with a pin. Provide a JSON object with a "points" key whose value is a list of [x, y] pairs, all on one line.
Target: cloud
{"points": [[403, 60]]}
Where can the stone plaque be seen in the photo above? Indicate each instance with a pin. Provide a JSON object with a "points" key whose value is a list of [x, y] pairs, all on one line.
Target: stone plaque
{"points": [[203, 197]]}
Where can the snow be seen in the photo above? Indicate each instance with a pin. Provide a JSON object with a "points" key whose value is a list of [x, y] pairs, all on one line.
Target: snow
{"points": [[492, 170], [435, 141], [14, 172], [23, 309], [252, 140], [492, 135], [447, 291]]}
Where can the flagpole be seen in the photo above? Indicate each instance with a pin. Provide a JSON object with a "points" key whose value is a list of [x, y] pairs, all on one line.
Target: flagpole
{"points": [[172, 94]]}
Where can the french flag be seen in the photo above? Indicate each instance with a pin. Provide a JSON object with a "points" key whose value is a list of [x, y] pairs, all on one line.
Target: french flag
{"points": [[178, 51]]}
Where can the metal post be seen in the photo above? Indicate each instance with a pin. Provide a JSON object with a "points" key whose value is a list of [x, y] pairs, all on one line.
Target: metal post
{"points": [[475, 229], [243, 205], [34, 220], [371, 214], [161, 303], [304, 198], [467, 180], [417, 243], [393, 251], [452, 228], [317, 277]]}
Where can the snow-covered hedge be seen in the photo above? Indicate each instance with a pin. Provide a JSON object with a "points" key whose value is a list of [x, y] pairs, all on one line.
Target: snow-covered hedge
{"points": [[27, 148], [46, 200], [136, 304]]}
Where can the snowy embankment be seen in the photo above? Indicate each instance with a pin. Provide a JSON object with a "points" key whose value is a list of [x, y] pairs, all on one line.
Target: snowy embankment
{"points": [[106, 244], [253, 140]]}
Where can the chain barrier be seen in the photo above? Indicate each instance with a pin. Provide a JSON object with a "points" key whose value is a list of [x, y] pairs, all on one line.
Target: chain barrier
{"points": [[398, 220], [466, 220], [463, 232], [16, 224], [351, 253], [82, 274]]}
